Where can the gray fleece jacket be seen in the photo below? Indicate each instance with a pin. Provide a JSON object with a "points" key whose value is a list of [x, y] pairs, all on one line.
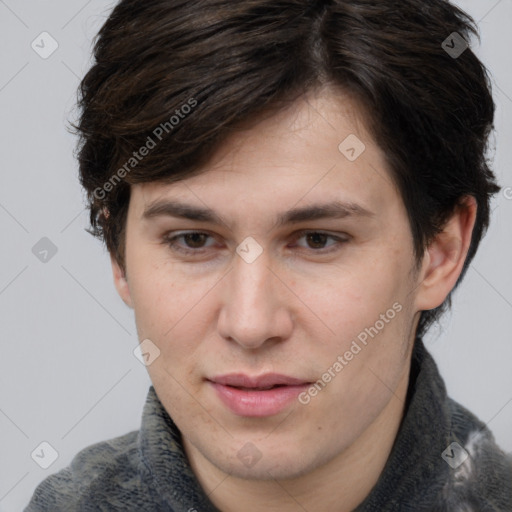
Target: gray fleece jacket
{"points": [[147, 470]]}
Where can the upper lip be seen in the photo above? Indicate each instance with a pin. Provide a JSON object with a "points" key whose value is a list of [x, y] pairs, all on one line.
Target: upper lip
{"points": [[261, 381]]}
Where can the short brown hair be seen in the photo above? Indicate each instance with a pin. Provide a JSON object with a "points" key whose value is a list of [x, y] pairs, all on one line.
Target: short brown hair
{"points": [[429, 111]]}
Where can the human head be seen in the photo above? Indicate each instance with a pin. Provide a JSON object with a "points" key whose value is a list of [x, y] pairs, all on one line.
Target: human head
{"points": [[430, 113], [207, 93]]}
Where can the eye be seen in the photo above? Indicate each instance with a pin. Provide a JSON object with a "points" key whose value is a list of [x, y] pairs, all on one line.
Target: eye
{"points": [[319, 238], [194, 241], [195, 238]]}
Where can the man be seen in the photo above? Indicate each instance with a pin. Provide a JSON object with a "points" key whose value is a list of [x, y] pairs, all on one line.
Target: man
{"points": [[289, 192]]}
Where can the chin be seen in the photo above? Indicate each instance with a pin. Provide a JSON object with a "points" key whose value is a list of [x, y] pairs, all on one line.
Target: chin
{"points": [[269, 465], [267, 471]]}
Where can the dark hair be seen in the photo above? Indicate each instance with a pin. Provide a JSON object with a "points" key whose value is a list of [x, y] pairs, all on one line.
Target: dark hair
{"points": [[228, 62]]}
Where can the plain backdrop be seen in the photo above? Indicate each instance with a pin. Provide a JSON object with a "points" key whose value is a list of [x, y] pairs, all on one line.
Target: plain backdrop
{"points": [[68, 375]]}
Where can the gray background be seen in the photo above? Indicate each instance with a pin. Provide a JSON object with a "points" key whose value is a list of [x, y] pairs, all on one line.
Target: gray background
{"points": [[68, 375]]}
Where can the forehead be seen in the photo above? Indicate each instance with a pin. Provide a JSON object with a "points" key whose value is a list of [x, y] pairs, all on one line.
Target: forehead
{"points": [[317, 149]]}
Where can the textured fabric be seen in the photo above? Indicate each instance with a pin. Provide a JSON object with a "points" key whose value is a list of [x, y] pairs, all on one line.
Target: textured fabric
{"points": [[147, 470]]}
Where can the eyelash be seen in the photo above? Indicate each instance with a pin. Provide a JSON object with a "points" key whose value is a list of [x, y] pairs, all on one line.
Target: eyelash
{"points": [[171, 241]]}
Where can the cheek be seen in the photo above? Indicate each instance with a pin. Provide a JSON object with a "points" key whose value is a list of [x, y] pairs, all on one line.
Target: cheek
{"points": [[365, 321], [155, 287], [351, 299], [172, 310], [153, 302]]}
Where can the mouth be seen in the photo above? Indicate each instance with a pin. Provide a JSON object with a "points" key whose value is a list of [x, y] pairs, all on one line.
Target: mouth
{"points": [[262, 382], [266, 388], [259, 396]]}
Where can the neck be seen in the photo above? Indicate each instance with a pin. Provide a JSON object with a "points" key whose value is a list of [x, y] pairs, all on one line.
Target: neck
{"points": [[341, 484]]}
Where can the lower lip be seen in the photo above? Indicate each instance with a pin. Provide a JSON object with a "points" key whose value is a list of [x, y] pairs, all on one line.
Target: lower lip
{"points": [[258, 403]]}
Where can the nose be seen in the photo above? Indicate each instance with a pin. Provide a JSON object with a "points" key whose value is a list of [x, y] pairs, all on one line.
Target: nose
{"points": [[256, 308]]}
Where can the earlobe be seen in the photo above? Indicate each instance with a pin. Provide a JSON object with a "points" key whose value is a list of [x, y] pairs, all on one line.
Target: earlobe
{"points": [[445, 257], [121, 282]]}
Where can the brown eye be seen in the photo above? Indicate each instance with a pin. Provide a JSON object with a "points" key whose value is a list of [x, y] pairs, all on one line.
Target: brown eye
{"points": [[193, 242], [317, 240]]}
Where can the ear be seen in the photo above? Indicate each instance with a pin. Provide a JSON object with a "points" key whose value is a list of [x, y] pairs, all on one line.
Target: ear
{"points": [[445, 257], [121, 282]]}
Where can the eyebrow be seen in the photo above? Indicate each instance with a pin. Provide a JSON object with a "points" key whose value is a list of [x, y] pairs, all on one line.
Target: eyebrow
{"points": [[331, 210]]}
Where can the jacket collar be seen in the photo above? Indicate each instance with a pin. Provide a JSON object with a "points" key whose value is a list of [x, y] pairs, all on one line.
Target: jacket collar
{"points": [[415, 470]]}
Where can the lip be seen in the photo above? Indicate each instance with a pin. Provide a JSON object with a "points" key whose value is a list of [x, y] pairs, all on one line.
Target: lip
{"points": [[252, 400]]}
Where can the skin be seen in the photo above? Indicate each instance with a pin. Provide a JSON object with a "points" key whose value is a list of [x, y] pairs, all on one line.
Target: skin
{"points": [[291, 311]]}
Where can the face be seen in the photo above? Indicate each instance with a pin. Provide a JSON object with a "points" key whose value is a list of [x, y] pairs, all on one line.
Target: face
{"points": [[320, 307]]}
